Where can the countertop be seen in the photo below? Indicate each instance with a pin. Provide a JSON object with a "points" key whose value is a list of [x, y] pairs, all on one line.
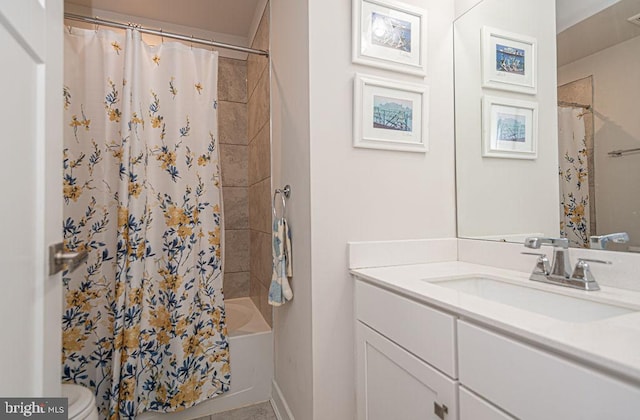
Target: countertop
{"points": [[611, 344]]}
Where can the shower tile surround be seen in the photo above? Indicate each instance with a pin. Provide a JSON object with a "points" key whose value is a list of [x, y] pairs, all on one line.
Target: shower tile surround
{"points": [[259, 170], [245, 159], [232, 129]]}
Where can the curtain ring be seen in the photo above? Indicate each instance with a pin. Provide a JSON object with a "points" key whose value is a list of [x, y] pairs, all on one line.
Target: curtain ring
{"points": [[211, 40], [161, 37], [191, 42]]}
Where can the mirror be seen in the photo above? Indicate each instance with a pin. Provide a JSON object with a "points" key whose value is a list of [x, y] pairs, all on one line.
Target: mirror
{"points": [[579, 175]]}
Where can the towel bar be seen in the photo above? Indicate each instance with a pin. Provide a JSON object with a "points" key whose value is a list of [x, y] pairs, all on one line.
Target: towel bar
{"points": [[284, 193]]}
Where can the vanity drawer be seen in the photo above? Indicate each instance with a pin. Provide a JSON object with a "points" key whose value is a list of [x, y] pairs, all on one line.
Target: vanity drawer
{"points": [[424, 331], [532, 384]]}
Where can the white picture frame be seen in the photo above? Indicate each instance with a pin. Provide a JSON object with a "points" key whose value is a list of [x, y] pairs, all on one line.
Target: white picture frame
{"points": [[390, 35], [390, 115], [509, 61], [509, 128]]}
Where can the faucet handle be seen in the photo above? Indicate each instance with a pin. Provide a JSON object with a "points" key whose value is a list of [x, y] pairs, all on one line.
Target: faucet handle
{"points": [[542, 264], [582, 272], [536, 242], [584, 261], [533, 242], [600, 242]]}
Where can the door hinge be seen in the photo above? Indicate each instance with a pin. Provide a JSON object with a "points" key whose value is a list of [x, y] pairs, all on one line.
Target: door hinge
{"points": [[440, 410]]}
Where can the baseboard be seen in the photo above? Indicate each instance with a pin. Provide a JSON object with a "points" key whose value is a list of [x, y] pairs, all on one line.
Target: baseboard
{"points": [[279, 404]]}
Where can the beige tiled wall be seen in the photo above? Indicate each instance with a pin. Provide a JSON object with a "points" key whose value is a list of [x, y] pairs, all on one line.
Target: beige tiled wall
{"points": [[234, 163], [259, 171], [245, 160]]}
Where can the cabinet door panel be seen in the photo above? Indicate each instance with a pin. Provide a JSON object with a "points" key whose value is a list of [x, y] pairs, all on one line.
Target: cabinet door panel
{"points": [[475, 408], [532, 384], [394, 384]]}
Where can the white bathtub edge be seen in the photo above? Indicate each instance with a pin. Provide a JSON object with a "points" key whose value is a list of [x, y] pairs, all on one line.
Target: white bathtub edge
{"points": [[279, 404], [253, 367], [255, 325]]}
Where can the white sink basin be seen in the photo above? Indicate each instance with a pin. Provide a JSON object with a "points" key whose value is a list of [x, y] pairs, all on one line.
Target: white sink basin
{"points": [[558, 306]]}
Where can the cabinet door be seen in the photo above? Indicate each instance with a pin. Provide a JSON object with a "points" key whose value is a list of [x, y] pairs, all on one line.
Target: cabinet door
{"points": [[394, 384], [475, 408]]}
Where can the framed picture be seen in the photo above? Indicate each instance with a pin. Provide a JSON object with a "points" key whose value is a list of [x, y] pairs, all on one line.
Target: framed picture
{"points": [[509, 128], [509, 61], [390, 35], [390, 115]]}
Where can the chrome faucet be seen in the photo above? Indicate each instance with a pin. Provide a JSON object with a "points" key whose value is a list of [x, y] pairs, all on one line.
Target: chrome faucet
{"points": [[561, 266], [559, 271], [600, 242]]}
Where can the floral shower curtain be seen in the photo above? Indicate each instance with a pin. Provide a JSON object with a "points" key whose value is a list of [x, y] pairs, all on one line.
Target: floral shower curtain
{"points": [[574, 177], [144, 321]]}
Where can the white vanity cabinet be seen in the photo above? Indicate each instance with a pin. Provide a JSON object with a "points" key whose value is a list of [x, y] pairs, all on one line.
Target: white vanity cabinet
{"points": [[473, 407], [399, 366], [414, 360], [530, 383]]}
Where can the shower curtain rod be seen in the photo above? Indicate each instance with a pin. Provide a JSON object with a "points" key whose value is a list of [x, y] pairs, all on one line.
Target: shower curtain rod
{"points": [[161, 33], [574, 104]]}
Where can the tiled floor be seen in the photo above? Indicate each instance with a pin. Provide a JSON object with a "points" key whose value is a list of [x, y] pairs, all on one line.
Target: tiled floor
{"points": [[260, 411]]}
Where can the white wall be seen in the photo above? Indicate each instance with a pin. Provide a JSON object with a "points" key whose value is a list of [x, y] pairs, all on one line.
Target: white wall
{"points": [[343, 194], [290, 165], [463, 6], [359, 194], [506, 196], [616, 88], [167, 27]]}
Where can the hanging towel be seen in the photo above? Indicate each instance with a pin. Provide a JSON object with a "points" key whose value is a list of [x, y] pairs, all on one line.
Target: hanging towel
{"points": [[280, 291]]}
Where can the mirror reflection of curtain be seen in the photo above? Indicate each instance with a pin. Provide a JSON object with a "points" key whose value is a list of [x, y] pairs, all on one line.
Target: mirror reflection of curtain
{"points": [[574, 177]]}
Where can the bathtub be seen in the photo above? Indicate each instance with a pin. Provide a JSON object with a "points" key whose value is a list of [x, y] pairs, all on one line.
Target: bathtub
{"points": [[251, 353]]}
